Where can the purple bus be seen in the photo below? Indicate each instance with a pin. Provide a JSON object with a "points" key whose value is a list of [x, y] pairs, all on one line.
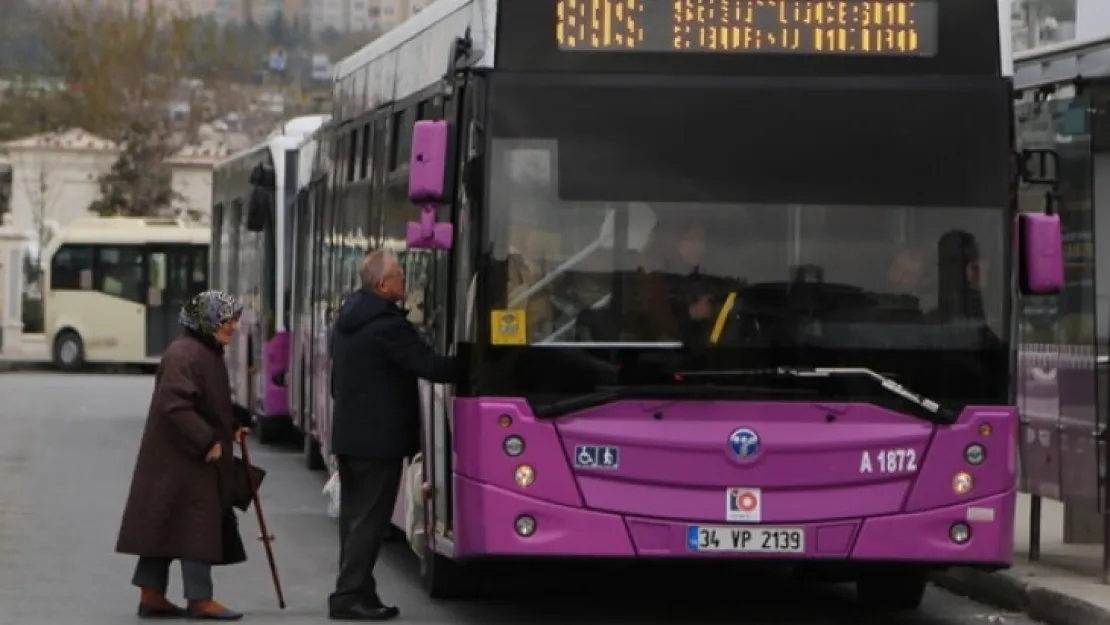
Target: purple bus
{"points": [[729, 281], [254, 193]]}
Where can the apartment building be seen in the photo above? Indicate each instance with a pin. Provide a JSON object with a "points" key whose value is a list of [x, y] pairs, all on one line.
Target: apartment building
{"points": [[361, 15], [388, 13], [198, 7], [341, 15], [1039, 23], [260, 11]]}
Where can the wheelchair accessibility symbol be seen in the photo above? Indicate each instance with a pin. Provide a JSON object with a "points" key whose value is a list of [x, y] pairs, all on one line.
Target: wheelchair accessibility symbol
{"points": [[597, 457]]}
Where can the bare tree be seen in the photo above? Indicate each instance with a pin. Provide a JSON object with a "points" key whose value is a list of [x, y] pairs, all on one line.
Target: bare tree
{"points": [[43, 189], [146, 80], [5, 192]]}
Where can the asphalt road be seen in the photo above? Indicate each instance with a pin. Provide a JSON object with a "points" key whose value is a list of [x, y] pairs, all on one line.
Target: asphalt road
{"points": [[67, 447]]}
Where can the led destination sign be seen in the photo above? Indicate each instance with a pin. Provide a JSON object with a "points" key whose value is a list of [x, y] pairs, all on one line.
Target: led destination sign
{"points": [[815, 27]]}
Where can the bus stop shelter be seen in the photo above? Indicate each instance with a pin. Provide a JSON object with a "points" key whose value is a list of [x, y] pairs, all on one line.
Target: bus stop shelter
{"points": [[1064, 340]]}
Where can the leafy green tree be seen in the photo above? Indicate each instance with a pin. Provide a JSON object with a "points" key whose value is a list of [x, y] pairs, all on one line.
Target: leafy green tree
{"points": [[19, 42], [300, 32], [278, 30], [330, 36], [140, 182]]}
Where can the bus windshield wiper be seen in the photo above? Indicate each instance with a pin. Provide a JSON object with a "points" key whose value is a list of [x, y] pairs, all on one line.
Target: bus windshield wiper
{"points": [[940, 413]]}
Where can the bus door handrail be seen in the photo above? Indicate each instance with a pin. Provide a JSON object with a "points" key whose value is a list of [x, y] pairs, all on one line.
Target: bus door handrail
{"points": [[548, 278], [606, 236]]}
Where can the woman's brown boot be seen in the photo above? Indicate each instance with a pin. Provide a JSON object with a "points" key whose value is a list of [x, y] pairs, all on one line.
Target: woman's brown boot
{"points": [[153, 604], [212, 610]]}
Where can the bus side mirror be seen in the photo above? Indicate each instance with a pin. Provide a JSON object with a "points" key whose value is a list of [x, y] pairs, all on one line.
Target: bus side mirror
{"points": [[427, 234], [428, 185], [1040, 254], [428, 163], [1040, 240]]}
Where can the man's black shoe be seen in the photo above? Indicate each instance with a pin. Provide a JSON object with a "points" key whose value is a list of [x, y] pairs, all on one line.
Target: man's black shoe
{"points": [[361, 612]]}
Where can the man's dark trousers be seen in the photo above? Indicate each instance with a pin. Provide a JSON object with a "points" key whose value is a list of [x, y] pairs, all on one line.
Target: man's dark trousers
{"points": [[368, 490]]}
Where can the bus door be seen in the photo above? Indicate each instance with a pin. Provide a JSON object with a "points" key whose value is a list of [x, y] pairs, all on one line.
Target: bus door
{"points": [[171, 279], [438, 328]]}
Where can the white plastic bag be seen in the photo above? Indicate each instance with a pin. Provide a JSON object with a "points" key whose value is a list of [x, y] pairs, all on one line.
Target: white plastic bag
{"points": [[414, 505], [331, 491]]}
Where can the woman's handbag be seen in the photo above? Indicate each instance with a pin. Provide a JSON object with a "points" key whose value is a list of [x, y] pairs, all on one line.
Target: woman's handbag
{"points": [[241, 495], [233, 550]]}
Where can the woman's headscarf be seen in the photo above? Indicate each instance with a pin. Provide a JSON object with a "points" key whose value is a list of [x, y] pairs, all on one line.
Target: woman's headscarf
{"points": [[207, 311]]}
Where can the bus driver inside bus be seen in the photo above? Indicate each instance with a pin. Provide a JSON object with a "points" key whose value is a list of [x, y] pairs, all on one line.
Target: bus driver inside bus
{"points": [[671, 296]]}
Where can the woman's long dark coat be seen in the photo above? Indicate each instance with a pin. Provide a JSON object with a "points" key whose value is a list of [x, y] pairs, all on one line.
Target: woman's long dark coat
{"points": [[180, 506]]}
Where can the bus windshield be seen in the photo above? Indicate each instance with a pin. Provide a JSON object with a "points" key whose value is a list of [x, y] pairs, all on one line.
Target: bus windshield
{"points": [[904, 290]]}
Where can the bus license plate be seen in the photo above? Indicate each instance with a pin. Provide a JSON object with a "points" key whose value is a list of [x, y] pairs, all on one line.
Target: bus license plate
{"points": [[752, 539]]}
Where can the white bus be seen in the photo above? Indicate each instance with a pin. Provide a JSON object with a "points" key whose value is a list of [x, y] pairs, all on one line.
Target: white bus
{"points": [[253, 196], [113, 288]]}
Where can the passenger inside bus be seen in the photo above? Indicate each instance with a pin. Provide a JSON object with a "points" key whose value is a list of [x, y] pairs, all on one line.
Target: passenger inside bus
{"points": [[962, 278], [904, 285], [907, 272]]}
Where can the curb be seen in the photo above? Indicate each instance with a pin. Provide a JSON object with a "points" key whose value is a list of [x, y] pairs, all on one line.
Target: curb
{"points": [[1007, 591]]}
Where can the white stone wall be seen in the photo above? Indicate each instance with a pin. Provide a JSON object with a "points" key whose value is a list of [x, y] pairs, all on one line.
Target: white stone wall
{"points": [[193, 182], [69, 180], [1092, 19], [58, 185]]}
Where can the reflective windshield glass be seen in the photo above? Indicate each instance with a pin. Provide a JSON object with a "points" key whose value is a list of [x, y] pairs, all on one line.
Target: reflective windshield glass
{"points": [[782, 277]]}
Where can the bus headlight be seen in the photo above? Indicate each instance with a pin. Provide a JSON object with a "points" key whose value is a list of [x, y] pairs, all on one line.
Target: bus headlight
{"points": [[525, 525], [962, 483], [524, 476], [975, 454], [959, 533], [513, 446]]}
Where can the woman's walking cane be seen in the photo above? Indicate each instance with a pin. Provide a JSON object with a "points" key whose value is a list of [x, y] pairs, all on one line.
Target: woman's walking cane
{"points": [[266, 537]]}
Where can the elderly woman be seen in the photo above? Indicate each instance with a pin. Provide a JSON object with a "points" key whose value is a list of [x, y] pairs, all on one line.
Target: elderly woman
{"points": [[180, 505]]}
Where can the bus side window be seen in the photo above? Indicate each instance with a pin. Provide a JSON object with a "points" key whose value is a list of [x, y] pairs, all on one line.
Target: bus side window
{"points": [[69, 266], [198, 281], [119, 272], [157, 278], [218, 243]]}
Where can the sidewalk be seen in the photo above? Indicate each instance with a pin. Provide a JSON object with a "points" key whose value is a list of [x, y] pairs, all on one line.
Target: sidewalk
{"points": [[1063, 588]]}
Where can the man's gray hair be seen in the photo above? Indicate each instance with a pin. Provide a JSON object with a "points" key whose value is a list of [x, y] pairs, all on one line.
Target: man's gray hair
{"points": [[375, 267]]}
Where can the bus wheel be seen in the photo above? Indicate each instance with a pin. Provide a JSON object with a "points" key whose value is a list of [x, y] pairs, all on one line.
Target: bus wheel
{"points": [[897, 589], [442, 576], [69, 351], [313, 458]]}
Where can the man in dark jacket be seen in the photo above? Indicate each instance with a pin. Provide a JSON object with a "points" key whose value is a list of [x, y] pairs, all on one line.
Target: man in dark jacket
{"points": [[377, 357]]}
